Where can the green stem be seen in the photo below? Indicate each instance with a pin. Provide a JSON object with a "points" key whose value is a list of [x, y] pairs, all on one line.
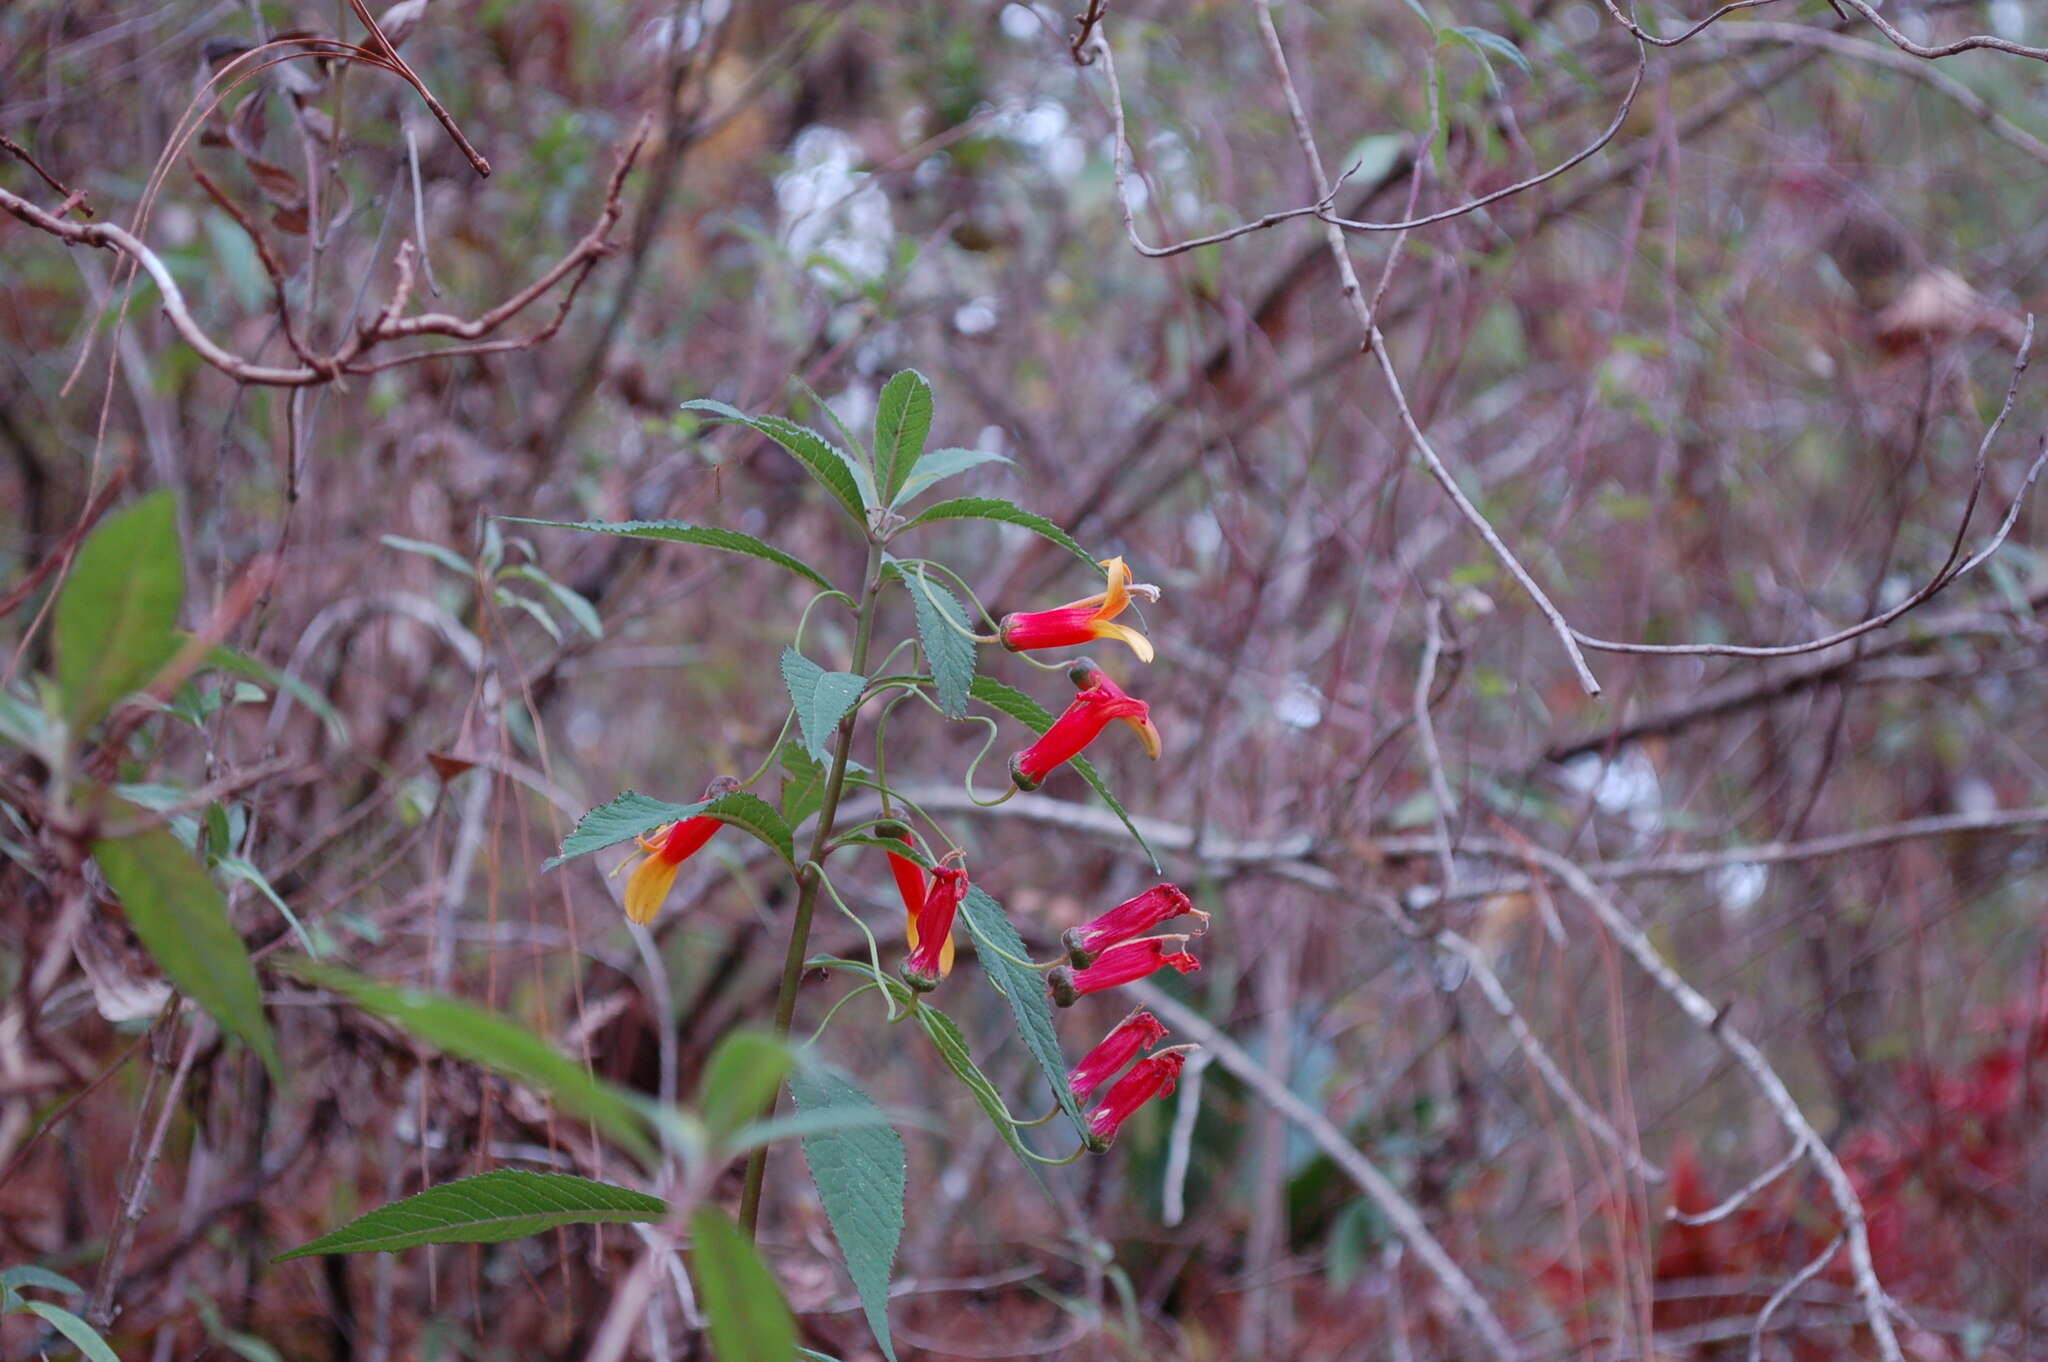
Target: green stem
{"points": [[809, 878]]}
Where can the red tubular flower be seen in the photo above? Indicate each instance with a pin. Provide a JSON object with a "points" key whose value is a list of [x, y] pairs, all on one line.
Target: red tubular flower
{"points": [[1115, 1050], [1099, 701], [1120, 965], [1151, 1077], [1133, 917], [1079, 623], [931, 930]]}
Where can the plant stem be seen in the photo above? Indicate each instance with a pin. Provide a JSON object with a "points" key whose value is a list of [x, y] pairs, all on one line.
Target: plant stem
{"points": [[809, 877]]}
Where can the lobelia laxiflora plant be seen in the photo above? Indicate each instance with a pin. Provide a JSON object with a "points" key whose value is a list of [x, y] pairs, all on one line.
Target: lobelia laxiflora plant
{"points": [[839, 803]]}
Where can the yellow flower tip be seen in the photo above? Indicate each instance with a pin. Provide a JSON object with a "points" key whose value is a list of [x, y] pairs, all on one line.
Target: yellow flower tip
{"points": [[1147, 734], [1136, 641], [1117, 594], [648, 887], [946, 958]]}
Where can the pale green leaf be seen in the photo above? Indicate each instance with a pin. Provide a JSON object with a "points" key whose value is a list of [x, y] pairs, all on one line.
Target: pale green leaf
{"points": [[749, 1319], [994, 508], [681, 532], [82, 1335], [999, 948], [859, 1174], [740, 1080], [942, 631], [822, 699], [840, 473], [903, 421], [182, 920], [117, 615], [939, 465]]}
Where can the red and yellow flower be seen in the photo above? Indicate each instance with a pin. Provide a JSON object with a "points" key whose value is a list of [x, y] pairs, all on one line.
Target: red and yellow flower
{"points": [[1131, 918], [665, 850], [1098, 702], [1120, 965], [1079, 623], [930, 928]]}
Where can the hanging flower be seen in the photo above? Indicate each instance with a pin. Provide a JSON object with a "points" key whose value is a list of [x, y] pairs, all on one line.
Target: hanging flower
{"points": [[663, 852], [1120, 965], [931, 929], [1115, 1050], [1131, 918], [1150, 1077], [1099, 701], [1079, 623]]}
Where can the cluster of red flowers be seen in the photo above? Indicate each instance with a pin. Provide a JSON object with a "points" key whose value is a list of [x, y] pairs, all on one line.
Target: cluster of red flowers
{"points": [[1106, 952]]}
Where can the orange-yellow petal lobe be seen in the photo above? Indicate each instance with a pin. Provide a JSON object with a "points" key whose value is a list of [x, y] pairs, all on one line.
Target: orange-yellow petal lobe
{"points": [[1118, 593], [1147, 734], [648, 886], [1136, 641]]}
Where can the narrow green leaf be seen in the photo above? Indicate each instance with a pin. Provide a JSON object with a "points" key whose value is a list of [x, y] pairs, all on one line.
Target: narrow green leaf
{"points": [[941, 631], [182, 919], [1483, 42], [632, 814], [740, 1080], [939, 465], [1026, 710], [573, 603], [682, 532], [821, 698], [28, 1274], [859, 1174], [446, 557], [994, 508], [487, 1209], [118, 613], [841, 474], [947, 1039], [228, 660], [498, 1043], [82, 1335], [749, 1319], [903, 421], [999, 948]]}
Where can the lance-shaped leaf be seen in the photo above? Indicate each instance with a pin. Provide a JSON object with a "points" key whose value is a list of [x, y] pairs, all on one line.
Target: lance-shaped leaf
{"points": [[497, 1042], [1026, 710], [1008, 513], [821, 699], [841, 474], [999, 949], [682, 532], [750, 1321], [117, 616], [859, 1173], [942, 631], [182, 919], [903, 421], [947, 1039], [487, 1209], [938, 465]]}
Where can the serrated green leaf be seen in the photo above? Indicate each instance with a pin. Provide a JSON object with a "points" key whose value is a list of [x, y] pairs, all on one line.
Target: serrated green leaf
{"points": [[939, 465], [82, 1335], [175, 908], [903, 421], [948, 652], [740, 1080], [497, 1042], [947, 1039], [1008, 513], [999, 948], [633, 814], [487, 1209], [626, 816], [859, 1174], [803, 786], [839, 471], [1026, 710], [821, 698], [682, 532], [117, 615], [749, 1319], [446, 557]]}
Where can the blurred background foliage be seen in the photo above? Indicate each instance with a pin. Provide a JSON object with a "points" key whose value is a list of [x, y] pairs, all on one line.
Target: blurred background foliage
{"points": [[1724, 382]]}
